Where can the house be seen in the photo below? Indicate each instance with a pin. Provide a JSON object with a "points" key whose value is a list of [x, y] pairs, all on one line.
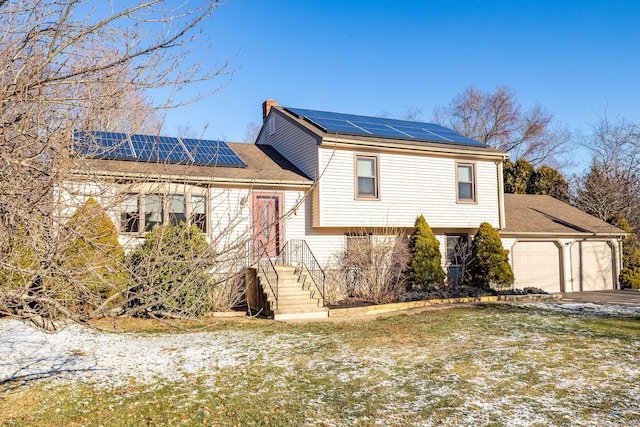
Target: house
{"points": [[454, 182], [329, 180]]}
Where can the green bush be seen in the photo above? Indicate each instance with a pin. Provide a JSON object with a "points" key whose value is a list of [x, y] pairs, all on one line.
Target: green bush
{"points": [[521, 177], [630, 277], [425, 268], [170, 272], [630, 274], [489, 266], [82, 271], [20, 265], [91, 261], [517, 176]]}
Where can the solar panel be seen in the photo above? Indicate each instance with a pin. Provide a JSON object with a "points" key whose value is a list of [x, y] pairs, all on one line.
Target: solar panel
{"points": [[382, 127], [210, 152], [103, 144], [150, 148]]}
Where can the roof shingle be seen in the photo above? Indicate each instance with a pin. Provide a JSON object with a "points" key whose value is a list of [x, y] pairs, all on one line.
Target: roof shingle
{"points": [[264, 164], [535, 214]]}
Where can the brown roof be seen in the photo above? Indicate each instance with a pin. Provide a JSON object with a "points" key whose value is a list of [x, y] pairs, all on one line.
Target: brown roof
{"points": [[264, 164], [537, 214]]}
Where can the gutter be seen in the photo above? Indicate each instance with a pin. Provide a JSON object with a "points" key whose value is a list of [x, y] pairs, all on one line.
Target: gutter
{"points": [[195, 179], [560, 234], [349, 143]]}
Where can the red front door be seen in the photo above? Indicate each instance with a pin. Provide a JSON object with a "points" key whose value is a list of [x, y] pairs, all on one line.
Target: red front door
{"points": [[266, 223]]}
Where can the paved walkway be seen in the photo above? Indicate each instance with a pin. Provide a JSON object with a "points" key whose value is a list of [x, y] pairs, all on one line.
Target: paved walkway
{"points": [[629, 298]]}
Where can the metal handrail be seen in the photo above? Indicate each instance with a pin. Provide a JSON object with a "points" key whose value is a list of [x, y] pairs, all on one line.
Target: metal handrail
{"points": [[268, 271], [298, 251]]}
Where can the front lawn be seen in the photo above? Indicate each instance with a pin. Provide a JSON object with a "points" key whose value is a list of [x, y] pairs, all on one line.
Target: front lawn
{"points": [[477, 365]]}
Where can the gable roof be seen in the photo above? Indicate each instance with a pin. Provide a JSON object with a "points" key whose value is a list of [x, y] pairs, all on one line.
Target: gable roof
{"points": [[529, 214], [263, 165], [382, 127], [382, 132]]}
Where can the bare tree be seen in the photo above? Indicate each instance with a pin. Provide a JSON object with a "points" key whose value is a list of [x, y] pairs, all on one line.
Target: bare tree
{"points": [[410, 113], [372, 267], [612, 184], [251, 132], [498, 120], [73, 65], [111, 100]]}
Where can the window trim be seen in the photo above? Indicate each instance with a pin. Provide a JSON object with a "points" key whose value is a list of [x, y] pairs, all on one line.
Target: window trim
{"points": [[376, 177], [133, 217], [461, 236], [365, 238], [165, 214], [474, 187], [191, 209]]}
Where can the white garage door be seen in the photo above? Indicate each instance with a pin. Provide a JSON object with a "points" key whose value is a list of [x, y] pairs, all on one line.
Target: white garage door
{"points": [[537, 264], [592, 266]]}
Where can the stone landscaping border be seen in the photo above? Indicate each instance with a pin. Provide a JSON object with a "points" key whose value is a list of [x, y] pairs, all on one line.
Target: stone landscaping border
{"points": [[398, 306]]}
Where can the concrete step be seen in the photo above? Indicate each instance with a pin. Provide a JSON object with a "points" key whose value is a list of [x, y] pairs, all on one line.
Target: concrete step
{"points": [[298, 297], [302, 295], [317, 314], [285, 269], [296, 302], [284, 278], [296, 293]]}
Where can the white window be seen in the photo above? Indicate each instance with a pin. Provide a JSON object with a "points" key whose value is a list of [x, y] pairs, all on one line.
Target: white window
{"points": [[176, 209], [130, 214], [144, 212], [366, 177], [358, 247], [153, 212], [457, 247], [466, 182], [198, 212]]}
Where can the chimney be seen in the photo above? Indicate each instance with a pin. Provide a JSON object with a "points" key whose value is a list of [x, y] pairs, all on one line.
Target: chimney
{"points": [[266, 107]]}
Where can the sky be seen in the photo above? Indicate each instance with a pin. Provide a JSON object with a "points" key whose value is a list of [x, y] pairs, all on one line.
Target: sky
{"points": [[578, 59]]}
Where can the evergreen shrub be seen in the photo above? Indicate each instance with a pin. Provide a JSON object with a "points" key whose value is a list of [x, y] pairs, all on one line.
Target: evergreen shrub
{"points": [[92, 258], [489, 266], [425, 268], [630, 274], [170, 272]]}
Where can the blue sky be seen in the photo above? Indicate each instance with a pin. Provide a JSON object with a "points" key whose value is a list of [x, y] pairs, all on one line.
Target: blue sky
{"points": [[579, 59]]}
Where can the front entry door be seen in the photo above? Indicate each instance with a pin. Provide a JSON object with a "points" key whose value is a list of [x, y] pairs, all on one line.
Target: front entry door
{"points": [[266, 223]]}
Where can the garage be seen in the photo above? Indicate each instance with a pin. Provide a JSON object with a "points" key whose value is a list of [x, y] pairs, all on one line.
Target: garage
{"points": [[537, 264], [537, 226], [592, 269]]}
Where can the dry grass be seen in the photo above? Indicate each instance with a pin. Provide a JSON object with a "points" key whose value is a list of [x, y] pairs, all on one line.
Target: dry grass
{"points": [[485, 366]]}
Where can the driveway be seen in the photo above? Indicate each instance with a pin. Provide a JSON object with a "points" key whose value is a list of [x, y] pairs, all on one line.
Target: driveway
{"points": [[629, 298]]}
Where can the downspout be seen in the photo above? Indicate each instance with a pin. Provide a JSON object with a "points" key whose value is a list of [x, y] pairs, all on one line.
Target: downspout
{"points": [[501, 213], [620, 262]]}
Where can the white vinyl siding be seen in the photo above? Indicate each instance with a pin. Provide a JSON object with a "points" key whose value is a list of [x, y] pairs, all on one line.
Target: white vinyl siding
{"points": [[324, 244], [295, 144], [409, 185], [230, 217]]}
